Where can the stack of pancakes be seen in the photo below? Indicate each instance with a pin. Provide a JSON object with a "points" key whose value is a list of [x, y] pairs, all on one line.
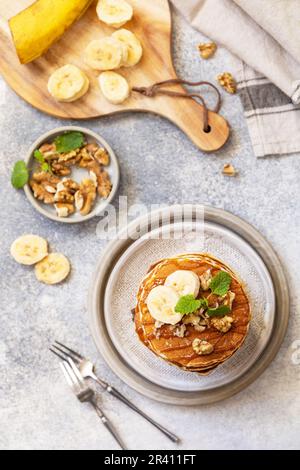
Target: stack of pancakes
{"points": [[178, 350]]}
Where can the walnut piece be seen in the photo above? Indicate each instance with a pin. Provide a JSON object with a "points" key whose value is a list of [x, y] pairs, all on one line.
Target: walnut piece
{"points": [[103, 179], [180, 331], [85, 158], [207, 50], [60, 169], [227, 81], [222, 324], [202, 347], [85, 196], [44, 186], [229, 170], [205, 279], [64, 209], [230, 296], [102, 156]]}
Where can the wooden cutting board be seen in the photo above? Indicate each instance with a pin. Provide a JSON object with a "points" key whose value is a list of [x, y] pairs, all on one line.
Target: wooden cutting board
{"points": [[152, 24]]}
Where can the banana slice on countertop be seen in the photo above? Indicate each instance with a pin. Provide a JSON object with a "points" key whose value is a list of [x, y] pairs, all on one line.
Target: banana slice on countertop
{"points": [[68, 83], [53, 269], [114, 13], [29, 249], [184, 282], [114, 87], [105, 54], [134, 46], [161, 303]]}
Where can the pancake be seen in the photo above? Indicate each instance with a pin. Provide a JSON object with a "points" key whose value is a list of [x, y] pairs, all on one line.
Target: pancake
{"points": [[178, 350]]}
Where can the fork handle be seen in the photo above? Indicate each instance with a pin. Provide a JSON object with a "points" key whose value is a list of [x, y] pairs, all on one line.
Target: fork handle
{"points": [[108, 425], [121, 397]]}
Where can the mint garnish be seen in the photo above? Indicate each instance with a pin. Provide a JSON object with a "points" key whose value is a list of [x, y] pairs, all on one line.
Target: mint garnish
{"points": [[69, 141], [20, 175], [220, 283]]}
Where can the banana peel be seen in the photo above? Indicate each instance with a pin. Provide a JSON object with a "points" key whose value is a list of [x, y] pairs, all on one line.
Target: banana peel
{"points": [[37, 27]]}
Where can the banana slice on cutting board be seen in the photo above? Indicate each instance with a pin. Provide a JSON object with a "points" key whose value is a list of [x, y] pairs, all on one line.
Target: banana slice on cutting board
{"points": [[29, 249], [133, 44], [114, 13], [184, 282], [114, 87], [68, 83], [53, 269], [105, 54], [161, 303]]}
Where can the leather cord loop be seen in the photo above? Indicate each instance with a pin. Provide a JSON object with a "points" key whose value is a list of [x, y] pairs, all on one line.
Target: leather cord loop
{"points": [[157, 89]]}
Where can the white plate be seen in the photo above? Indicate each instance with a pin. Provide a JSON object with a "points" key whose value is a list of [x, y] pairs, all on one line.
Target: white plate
{"points": [[115, 250], [124, 281]]}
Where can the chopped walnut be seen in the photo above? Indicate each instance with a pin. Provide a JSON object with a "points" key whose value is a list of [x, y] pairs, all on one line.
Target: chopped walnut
{"points": [[180, 331], [229, 170], [49, 151], [205, 279], [191, 319], [85, 158], [64, 209], [44, 186], [222, 324], [68, 159], [207, 50], [103, 179], [60, 169], [85, 196], [227, 81], [230, 296], [70, 185], [202, 347], [102, 156]]}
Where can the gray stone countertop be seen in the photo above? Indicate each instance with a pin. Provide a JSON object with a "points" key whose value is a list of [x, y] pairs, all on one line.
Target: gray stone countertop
{"points": [[159, 165]]}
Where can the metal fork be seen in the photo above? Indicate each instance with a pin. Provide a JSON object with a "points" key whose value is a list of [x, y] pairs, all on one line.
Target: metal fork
{"points": [[86, 394], [86, 368]]}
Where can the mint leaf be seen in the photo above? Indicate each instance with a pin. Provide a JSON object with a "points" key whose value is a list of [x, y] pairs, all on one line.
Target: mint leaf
{"points": [[219, 311], [204, 303], [187, 304], [39, 156], [45, 167], [69, 141], [220, 283], [20, 175]]}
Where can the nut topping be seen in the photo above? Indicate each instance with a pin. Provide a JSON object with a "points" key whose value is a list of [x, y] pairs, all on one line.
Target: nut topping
{"points": [[202, 347], [85, 196], [222, 324]]}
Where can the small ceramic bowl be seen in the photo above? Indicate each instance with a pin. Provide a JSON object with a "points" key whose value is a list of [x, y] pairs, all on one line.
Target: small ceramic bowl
{"points": [[77, 174]]}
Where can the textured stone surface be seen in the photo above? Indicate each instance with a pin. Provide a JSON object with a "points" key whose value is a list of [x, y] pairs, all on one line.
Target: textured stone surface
{"points": [[158, 166]]}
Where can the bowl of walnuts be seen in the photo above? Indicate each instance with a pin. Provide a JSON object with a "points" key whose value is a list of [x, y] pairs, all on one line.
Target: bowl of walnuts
{"points": [[74, 174]]}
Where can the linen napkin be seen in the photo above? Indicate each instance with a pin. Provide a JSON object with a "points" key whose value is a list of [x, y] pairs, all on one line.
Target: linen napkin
{"points": [[264, 35]]}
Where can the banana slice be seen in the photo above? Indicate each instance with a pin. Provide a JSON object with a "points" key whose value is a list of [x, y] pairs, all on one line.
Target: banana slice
{"points": [[135, 49], [104, 54], [184, 282], [29, 249], [68, 83], [114, 87], [161, 303], [114, 13], [53, 269]]}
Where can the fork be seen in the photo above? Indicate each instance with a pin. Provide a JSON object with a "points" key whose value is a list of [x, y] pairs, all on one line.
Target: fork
{"points": [[86, 394], [86, 368]]}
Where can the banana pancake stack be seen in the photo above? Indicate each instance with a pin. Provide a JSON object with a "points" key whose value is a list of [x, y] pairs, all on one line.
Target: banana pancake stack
{"points": [[192, 311]]}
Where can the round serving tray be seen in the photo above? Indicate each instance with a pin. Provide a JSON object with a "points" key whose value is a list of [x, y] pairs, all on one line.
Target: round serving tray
{"points": [[115, 251]]}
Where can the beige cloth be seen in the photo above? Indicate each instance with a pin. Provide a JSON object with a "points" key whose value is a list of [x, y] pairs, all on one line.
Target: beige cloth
{"points": [[265, 36]]}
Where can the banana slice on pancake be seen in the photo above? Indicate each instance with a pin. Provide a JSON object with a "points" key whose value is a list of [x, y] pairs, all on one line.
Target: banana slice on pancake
{"points": [[184, 282], [161, 303]]}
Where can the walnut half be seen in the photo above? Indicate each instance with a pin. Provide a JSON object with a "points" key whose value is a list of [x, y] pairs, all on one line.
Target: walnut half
{"points": [[85, 196], [222, 324], [202, 347], [227, 81], [207, 49]]}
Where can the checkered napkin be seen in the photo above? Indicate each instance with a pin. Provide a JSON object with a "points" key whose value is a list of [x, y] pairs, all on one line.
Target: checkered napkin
{"points": [[264, 36]]}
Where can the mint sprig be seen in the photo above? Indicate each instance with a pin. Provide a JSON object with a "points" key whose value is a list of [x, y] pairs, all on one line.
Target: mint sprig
{"points": [[219, 311], [188, 304], [20, 175], [69, 141], [220, 283]]}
